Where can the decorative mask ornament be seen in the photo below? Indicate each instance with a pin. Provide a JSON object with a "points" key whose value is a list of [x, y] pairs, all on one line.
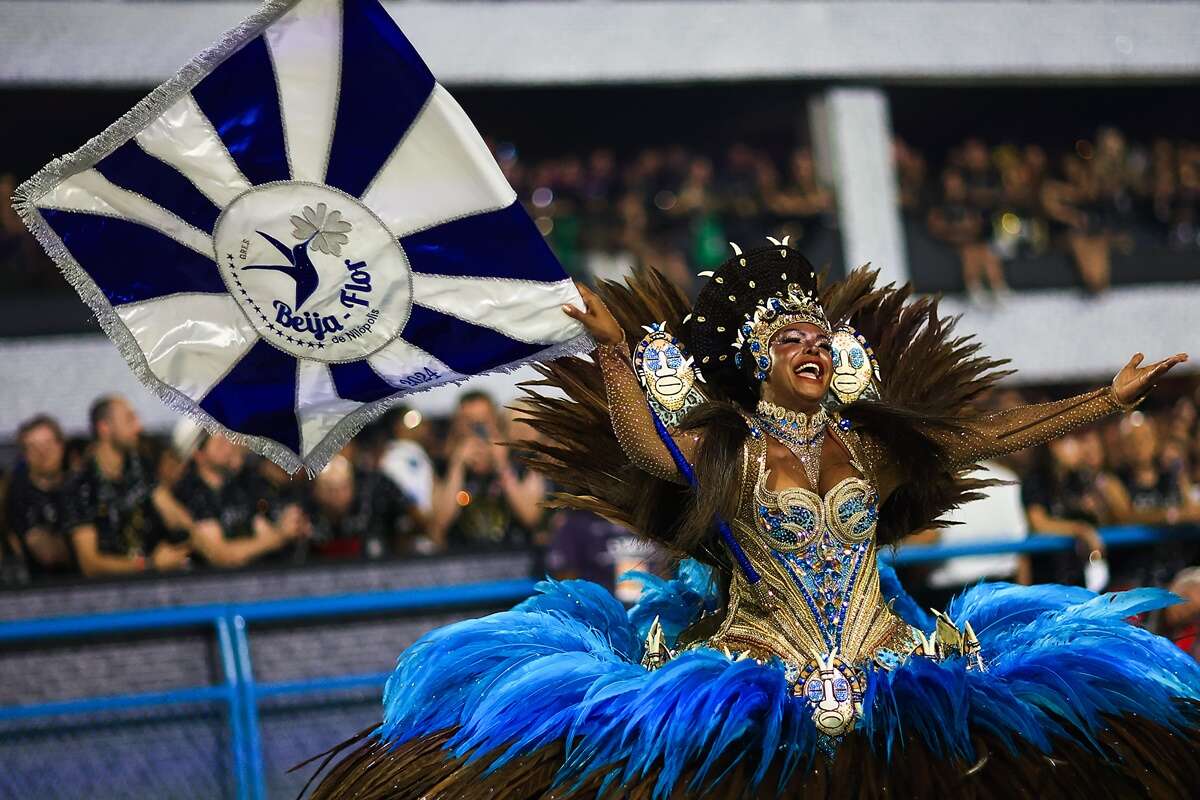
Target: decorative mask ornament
{"points": [[855, 370], [834, 690], [667, 374]]}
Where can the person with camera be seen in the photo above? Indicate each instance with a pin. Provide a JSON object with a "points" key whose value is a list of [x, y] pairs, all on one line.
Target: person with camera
{"points": [[484, 497]]}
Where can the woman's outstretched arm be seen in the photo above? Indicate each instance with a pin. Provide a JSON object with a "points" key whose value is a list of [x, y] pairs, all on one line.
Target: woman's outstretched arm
{"points": [[627, 407], [1025, 426]]}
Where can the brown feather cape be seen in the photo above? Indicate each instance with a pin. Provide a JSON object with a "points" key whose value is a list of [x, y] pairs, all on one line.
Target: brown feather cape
{"points": [[930, 379]]}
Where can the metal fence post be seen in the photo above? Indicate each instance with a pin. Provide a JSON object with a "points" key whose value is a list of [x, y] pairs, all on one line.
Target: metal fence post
{"points": [[249, 702], [237, 722]]}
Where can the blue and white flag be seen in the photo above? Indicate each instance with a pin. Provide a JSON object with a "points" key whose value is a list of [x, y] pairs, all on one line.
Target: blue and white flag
{"points": [[299, 228]]}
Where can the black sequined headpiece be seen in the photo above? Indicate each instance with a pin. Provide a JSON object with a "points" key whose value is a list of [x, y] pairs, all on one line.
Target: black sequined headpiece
{"points": [[746, 300]]}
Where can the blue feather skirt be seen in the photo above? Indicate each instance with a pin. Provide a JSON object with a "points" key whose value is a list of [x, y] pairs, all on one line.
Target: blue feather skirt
{"points": [[548, 700]]}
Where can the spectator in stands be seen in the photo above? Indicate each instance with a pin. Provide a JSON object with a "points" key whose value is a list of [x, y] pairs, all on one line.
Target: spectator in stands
{"points": [[358, 514], [278, 495], [740, 185], [911, 187], [120, 522], [956, 221], [1150, 490], [405, 460], [1181, 622], [1074, 208], [801, 203], [35, 501], [23, 263], [228, 529], [1061, 496], [1017, 227], [483, 497]]}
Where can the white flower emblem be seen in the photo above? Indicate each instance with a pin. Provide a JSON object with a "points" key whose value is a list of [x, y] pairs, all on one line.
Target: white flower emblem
{"points": [[326, 229]]}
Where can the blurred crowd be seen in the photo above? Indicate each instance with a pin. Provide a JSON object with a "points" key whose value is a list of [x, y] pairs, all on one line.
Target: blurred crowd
{"points": [[677, 208], [993, 204], [671, 207], [122, 502]]}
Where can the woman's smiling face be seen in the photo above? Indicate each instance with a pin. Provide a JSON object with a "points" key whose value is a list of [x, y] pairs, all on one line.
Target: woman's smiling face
{"points": [[801, 366]]}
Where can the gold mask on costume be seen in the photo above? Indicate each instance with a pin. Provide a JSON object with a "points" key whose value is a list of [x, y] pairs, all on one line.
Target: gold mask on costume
{"points": [[834, 691], [855, 373], [667, 374]]}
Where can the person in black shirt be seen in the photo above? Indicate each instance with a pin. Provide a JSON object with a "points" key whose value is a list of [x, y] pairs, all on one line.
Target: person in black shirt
{"points": [[279, 497], [357, 514], [34, 511], [959, 223], [1061, 496], [228, 530], [1147, 494], [120, 522]]}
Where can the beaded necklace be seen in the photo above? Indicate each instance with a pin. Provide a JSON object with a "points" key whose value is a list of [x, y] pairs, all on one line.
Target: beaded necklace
{"points": [[801, 434]]}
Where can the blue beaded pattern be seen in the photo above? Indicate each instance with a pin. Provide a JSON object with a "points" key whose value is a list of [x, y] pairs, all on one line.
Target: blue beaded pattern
{"points": [[822, 552]]}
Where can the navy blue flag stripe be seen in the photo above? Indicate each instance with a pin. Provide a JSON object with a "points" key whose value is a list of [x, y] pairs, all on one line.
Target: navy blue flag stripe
{"points": [[132, 168], [258, 396], [384, 86], [241, 100], [355, 380], [464, 347], [497, 244], [130, 262]]}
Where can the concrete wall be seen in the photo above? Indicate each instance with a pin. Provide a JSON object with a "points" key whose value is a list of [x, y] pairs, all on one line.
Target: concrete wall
{"points": [[545, 42]]}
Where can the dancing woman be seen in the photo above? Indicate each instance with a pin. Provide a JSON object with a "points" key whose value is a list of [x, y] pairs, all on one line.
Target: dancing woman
{"points": [[783, 660]]}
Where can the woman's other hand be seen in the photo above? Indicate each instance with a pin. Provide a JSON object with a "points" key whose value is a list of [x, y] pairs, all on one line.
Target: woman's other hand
{"points": [[1133, 380]]}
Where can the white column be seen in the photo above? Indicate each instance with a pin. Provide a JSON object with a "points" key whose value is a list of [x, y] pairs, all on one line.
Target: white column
{"points": [[858, 134]]}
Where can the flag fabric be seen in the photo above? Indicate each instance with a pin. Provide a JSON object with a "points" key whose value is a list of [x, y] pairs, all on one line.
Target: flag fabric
{"points": [[300, 228]]}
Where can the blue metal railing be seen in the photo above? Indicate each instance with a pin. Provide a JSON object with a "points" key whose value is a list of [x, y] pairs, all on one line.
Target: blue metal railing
{"points": [[1114, 537], [240, 694], [238, 691]]}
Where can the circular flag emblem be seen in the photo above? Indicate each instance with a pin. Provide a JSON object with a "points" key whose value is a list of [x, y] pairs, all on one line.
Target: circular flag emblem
{"points": [[327, 282]]}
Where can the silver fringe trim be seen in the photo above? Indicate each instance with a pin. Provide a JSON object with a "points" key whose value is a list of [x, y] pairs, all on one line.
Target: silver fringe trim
{"points": [[148, 109]]}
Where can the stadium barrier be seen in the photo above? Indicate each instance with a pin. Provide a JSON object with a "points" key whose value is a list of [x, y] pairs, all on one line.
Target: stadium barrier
{"points": [[240, 695]]}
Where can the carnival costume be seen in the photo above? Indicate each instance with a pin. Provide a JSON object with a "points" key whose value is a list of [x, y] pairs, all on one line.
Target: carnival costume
{"points": [[783, 660]]}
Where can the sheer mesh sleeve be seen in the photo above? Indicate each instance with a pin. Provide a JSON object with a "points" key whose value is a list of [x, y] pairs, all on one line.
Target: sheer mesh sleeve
{"points": [[631, 417], [1017, 428]]}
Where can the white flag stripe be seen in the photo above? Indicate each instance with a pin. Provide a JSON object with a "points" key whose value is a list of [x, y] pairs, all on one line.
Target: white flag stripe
{"points": [[317, 404], [442, 170], [190, 340], [91, 192], [529, 311], [184, 138], [306, 49], [404, 365]]}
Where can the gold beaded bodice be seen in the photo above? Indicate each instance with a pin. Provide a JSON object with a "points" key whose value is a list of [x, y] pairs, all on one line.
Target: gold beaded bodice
{"points": [[817, 554]]}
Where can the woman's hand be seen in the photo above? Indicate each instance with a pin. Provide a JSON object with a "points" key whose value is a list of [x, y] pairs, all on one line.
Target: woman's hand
{"points": [[1133, 381], [596, 318]]}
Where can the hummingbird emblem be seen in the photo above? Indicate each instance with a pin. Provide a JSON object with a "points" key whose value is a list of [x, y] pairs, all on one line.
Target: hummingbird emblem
{"points": [[321, 230]]}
